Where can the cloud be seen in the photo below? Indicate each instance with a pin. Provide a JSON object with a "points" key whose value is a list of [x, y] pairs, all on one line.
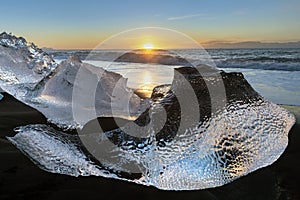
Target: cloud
{"points": [[250, 44], [187, 16]]}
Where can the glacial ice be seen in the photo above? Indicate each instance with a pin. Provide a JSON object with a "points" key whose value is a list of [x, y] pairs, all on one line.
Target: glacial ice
{"points": [[247, 134], [23, 63], [196, 147], [33, 77]]}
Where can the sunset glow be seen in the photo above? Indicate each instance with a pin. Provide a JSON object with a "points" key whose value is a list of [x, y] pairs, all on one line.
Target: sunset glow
{"points": [[148, 46], [212, 24]]}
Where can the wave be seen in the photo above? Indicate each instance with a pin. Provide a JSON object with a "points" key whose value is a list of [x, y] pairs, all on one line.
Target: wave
{"points": [[264, 59], [162, 57], [260, 65], [277, 60]]}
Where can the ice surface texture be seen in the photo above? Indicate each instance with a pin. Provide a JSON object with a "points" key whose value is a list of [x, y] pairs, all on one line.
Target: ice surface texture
{"points": [[33, 77], [22, 62]]}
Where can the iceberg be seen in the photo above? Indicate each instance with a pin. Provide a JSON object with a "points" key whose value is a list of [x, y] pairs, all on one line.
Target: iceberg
{"points": [[188, 138], [33, 77], [23, 63], [248, 134]]}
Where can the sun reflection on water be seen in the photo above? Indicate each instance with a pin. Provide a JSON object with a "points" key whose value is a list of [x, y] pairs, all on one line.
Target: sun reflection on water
{"points": [[145, 88], [147, 78]]}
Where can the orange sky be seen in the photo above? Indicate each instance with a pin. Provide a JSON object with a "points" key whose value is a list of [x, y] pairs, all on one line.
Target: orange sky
{"points": [[85, 24]]}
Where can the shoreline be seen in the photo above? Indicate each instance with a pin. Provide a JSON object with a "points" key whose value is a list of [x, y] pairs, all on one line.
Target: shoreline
{"points": [[295, 110]]}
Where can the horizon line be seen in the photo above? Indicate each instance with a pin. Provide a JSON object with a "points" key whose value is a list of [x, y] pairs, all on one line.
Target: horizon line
{"points": [[211, 45]]}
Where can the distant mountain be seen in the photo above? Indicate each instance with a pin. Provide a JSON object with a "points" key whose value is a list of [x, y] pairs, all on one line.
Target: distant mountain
{"points": [[251, 44], [47, 49]]}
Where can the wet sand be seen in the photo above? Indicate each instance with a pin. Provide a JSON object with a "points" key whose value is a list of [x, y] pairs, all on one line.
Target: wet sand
{"points": [[21, 179]]}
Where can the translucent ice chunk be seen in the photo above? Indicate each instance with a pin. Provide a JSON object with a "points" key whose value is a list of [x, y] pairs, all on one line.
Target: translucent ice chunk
{"points": [[245, 135], [22, 62], [33, 77], [60, 152], [221, 150]]}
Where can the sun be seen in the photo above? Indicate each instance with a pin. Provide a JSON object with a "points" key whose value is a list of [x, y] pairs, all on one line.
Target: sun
{"points": [[148, 46]]}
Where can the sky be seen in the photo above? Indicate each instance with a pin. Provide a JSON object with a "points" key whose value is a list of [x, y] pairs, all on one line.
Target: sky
{"points": [[84, 24]]}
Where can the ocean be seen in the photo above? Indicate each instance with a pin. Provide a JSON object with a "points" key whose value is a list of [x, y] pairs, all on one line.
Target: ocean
{"points": [[274, 73]]}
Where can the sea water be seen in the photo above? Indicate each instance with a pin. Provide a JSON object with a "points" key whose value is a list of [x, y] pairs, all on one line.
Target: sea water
{"points": [[274, 73]]}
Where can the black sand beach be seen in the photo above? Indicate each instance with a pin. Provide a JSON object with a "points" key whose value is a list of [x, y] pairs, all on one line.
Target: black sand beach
{"points": [[21, 179]]}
